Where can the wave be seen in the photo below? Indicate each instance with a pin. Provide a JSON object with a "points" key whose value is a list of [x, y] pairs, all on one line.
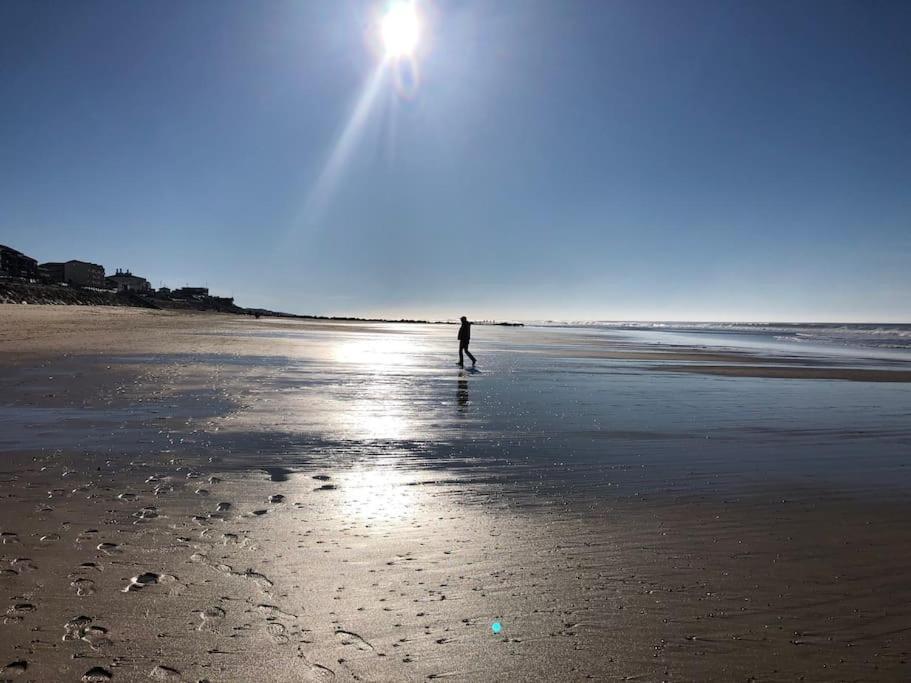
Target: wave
{"points": [[855, 335]]}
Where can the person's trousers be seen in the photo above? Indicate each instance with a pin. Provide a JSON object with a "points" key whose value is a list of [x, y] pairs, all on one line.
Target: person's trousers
{"points": [[463, 346]]}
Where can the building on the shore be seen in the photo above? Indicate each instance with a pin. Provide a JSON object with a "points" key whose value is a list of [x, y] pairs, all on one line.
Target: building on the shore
{"points": [[16, 264], [190, 293], [164, 291], [125, 281], [52, 271], [79, 273]]}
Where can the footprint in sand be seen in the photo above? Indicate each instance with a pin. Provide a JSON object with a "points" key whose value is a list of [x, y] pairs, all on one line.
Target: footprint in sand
{"points": [[145, 514], [83, 586], [74, 629], [97, 675], [271, 611], [349, 638], [23, 564], [18, 612], [315, 673], [141, 581], [86, 536], [211, 617], [96, 637], [276, 632], [260, 580], [14, 669], [164, 673]]}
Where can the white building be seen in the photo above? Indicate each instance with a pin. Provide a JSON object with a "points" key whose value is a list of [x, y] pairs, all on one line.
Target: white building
{"points": [[125, 281]]}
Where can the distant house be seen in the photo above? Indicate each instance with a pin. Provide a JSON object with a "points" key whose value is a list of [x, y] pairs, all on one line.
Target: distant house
{"points": [[52, 271], [80, 273], [164, 291], [125, 281], [16, 264], [190, 292]]}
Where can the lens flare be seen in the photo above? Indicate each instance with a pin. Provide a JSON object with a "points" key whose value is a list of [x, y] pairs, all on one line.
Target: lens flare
{"points": [[400, 30], [400, 33]]}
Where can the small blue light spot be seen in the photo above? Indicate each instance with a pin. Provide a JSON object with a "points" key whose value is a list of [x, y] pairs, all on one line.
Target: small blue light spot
{"points": [[496, 627]]}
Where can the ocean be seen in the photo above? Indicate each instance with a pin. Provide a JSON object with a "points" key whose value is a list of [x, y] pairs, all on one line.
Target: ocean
{"points": [[864, 339]]}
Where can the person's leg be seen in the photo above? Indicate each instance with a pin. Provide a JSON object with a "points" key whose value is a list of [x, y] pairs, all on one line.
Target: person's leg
{"points": [[473, 360], [461, 357]]}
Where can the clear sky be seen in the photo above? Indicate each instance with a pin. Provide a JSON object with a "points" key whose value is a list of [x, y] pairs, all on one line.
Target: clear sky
{"points": [[644, 159]]}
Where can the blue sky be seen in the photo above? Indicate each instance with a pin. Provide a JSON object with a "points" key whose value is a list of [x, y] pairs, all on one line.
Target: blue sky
{"points": [[561, 160]]}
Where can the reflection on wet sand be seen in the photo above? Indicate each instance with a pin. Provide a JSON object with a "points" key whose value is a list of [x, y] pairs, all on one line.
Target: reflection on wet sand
{"points": [[378, 495], [462, 392]]}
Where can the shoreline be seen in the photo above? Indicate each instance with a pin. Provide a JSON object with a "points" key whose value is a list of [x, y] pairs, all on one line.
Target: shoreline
{"points": [[94, 325]]}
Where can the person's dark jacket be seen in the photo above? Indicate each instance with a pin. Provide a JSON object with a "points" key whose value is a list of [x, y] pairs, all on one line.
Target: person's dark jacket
{"points": [[465, 332]]}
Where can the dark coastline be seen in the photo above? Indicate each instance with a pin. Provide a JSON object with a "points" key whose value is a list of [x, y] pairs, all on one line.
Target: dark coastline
{"points": [[19, 292]]}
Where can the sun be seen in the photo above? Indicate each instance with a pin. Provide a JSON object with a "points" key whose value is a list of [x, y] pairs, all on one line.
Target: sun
{"points": [[400, 29]]}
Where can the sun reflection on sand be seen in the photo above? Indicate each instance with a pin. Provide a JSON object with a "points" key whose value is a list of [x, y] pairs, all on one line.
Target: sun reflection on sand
{"points": [[345, 383], [372, 421], [377, 494], [380, 408], [378, 351]]}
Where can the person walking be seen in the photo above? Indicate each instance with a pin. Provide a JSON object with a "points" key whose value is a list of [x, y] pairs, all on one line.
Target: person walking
{"points": [[464, 338]]}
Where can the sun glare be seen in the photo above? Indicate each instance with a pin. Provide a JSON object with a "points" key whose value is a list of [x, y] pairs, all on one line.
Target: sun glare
{"points": [[400, 29]]}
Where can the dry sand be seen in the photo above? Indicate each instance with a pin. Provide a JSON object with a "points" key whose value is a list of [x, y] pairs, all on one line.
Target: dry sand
{"points": [[156, 555]]}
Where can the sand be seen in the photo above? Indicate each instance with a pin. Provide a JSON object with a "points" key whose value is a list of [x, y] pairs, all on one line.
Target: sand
{"points": [[202, 497], [772, 371]]}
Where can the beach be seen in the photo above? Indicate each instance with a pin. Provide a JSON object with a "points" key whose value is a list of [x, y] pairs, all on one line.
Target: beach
{"points": [[200, 496]]}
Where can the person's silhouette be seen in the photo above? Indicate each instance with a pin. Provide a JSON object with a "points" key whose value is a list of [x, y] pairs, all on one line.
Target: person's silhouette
{"points": [[464, 338]]}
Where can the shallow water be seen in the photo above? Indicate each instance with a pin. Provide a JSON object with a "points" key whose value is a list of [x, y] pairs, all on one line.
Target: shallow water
{"points": [[884, 340], [547, 408]]}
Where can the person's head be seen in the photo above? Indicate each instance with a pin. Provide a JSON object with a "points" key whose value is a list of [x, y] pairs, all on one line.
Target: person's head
{"points": [[464, 319]]}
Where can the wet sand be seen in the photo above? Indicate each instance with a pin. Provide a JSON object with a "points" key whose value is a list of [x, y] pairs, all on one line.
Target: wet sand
{"points": [[771, 371], [197, 496]]}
